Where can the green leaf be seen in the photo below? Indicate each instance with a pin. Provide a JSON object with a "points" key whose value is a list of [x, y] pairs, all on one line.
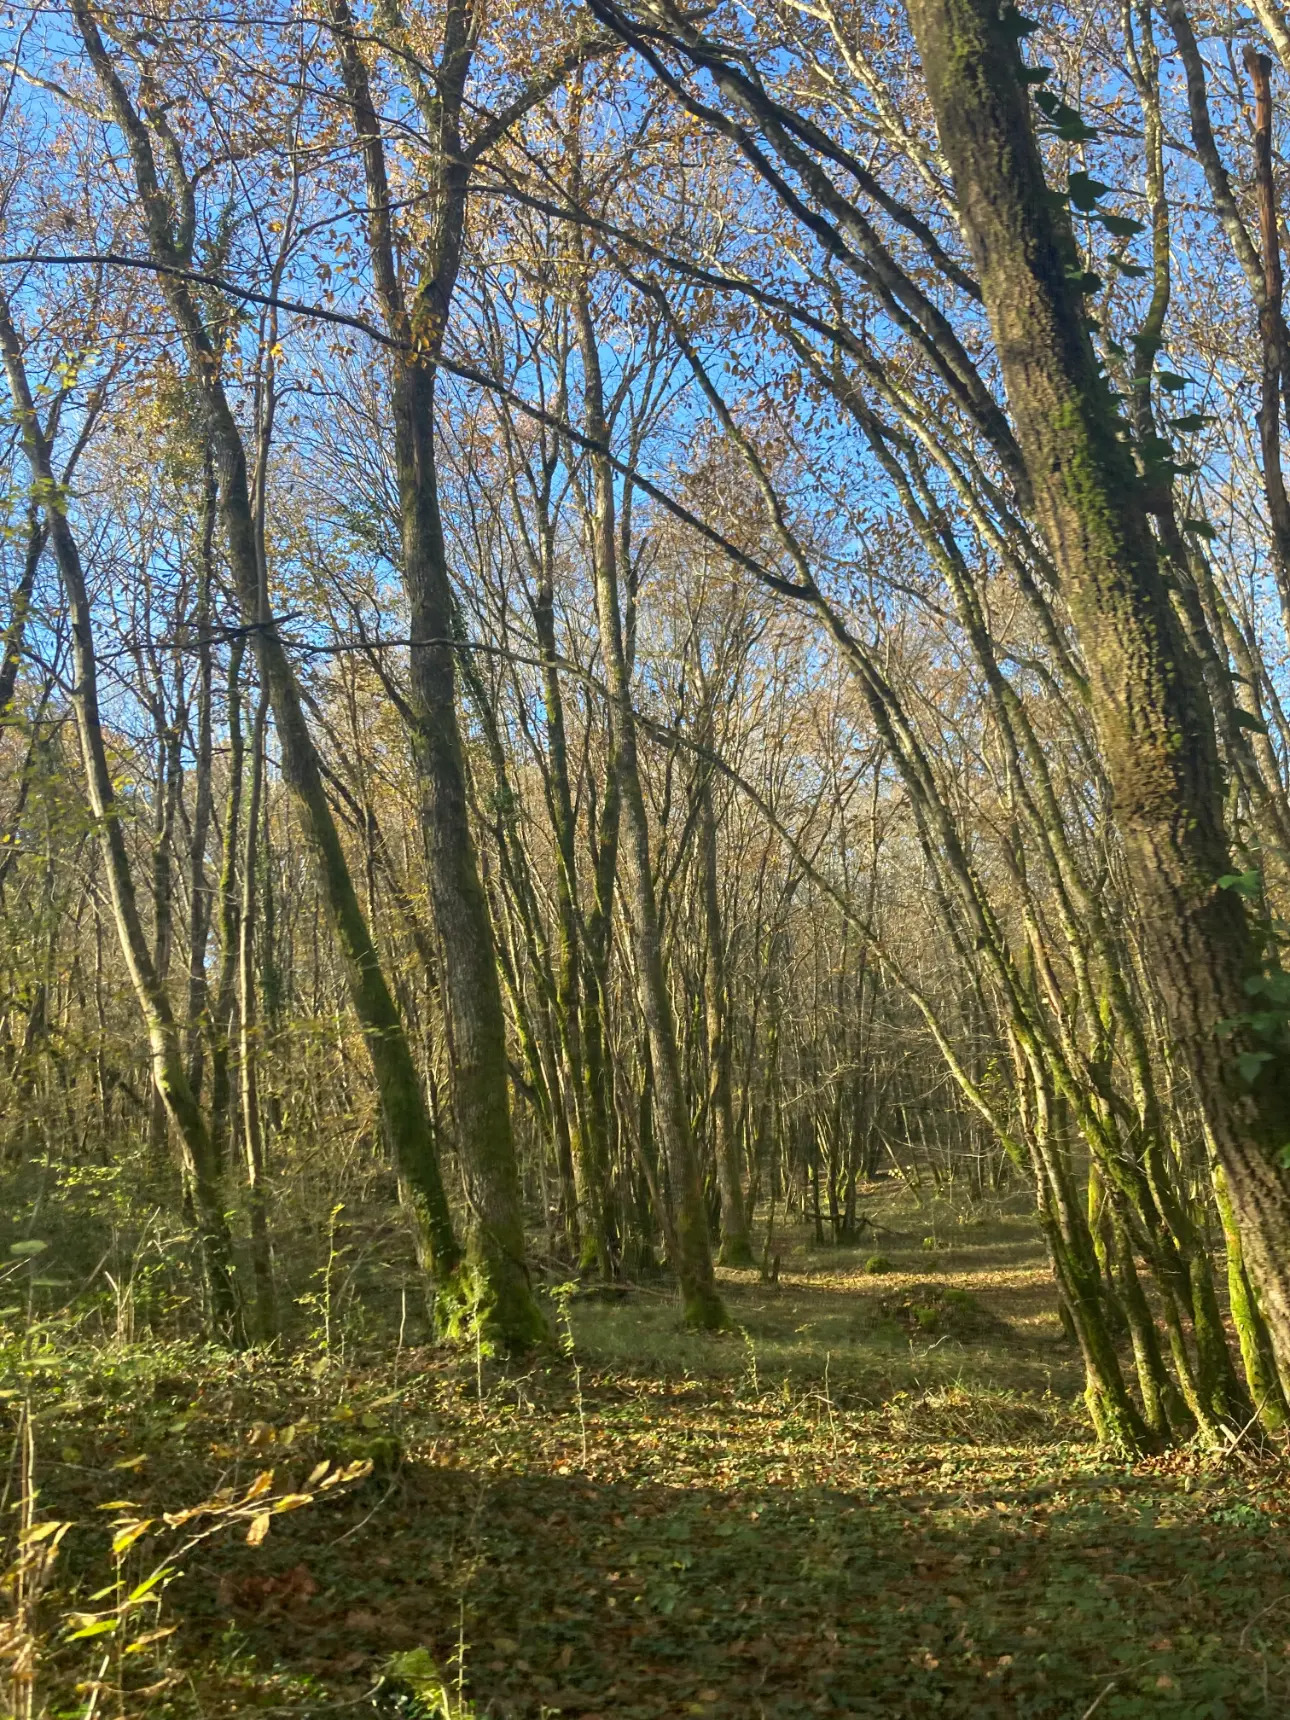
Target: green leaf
{"points": [[1064, 119], [145, 1588], [97, 1627], [1135, 271], [1171, 380], [1084, 280], [1250, 1062], [1035, 74], [1244, 883], [1203, 529], [1017, 24], [32, 1246], [1084, 190], [1120, 226], [1192, 421], [1247, 720]]}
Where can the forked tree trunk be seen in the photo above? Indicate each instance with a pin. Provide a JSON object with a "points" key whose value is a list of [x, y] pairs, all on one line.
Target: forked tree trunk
{"points": [[1153, 716], [480, 1075]]}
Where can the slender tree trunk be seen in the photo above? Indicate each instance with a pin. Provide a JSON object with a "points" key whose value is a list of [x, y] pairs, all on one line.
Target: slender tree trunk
{"points": [[701, 1301], [199, 892], [221, 1026], [249, 1045], [168, 1072], [589, 1140], [403, 1106], [736, 1247], [169, 781], [15, 632]]}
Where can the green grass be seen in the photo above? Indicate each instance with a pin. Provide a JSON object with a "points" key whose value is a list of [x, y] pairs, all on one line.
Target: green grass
{"points": [[877, 1497]]}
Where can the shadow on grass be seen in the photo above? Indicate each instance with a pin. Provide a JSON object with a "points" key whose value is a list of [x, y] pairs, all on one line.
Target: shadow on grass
{"points": [[577, 1597]]}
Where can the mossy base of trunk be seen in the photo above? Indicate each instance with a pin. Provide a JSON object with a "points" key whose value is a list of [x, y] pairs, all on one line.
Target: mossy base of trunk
{"points": [[704, 1311], [491, 1303], [736, 1251], [595, 1257], [1119, 1428]]}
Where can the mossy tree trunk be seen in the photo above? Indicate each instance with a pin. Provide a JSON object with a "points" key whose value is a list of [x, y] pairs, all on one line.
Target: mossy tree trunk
{"points": [[169, 211], [1153, 716], [481, 1090]]}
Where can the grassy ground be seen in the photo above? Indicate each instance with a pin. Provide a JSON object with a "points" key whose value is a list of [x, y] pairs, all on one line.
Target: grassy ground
{"points": [[876, 1498]]}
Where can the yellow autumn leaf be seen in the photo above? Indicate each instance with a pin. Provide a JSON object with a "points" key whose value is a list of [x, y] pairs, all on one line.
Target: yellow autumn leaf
{"points": [[129, 1533]]}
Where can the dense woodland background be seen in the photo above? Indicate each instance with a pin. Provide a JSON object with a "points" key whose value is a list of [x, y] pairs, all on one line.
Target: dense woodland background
{"points": [[567, 707]]}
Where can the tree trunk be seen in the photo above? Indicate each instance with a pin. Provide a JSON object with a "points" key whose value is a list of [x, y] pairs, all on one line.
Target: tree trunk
{"points": [[736, 1248], [266, 1319], [168, 1072], [701, 1301], [481, 1098], [1149, 702], [403, 1105]]}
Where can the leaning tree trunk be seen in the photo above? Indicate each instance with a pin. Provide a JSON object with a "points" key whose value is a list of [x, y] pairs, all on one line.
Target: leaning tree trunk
{"points": [[170, 1077], [1154, 721]]}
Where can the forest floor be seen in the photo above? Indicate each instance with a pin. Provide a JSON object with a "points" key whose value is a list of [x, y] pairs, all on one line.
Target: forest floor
{"points": [[878, 1497]]}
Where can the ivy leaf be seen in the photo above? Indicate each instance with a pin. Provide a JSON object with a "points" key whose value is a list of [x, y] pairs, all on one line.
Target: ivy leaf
{"points": [[1192, 421], [1035, 74], [1244, 883], [1245, 720], [1120, 226], [1250, 1062], [1202, 529], [1084, 190], [1084, 280], [1134, 270], [1016, 24], [1170, 379]]}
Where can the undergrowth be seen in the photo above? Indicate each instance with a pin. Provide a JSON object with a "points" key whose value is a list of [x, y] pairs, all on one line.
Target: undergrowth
{"points": [[875, 1496]]}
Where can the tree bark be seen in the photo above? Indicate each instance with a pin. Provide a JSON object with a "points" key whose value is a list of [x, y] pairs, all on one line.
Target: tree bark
{"points": [[1153, 716]]}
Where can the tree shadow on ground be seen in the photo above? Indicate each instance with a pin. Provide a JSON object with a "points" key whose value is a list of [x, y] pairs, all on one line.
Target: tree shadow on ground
{"points": [[572, 1596]]}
